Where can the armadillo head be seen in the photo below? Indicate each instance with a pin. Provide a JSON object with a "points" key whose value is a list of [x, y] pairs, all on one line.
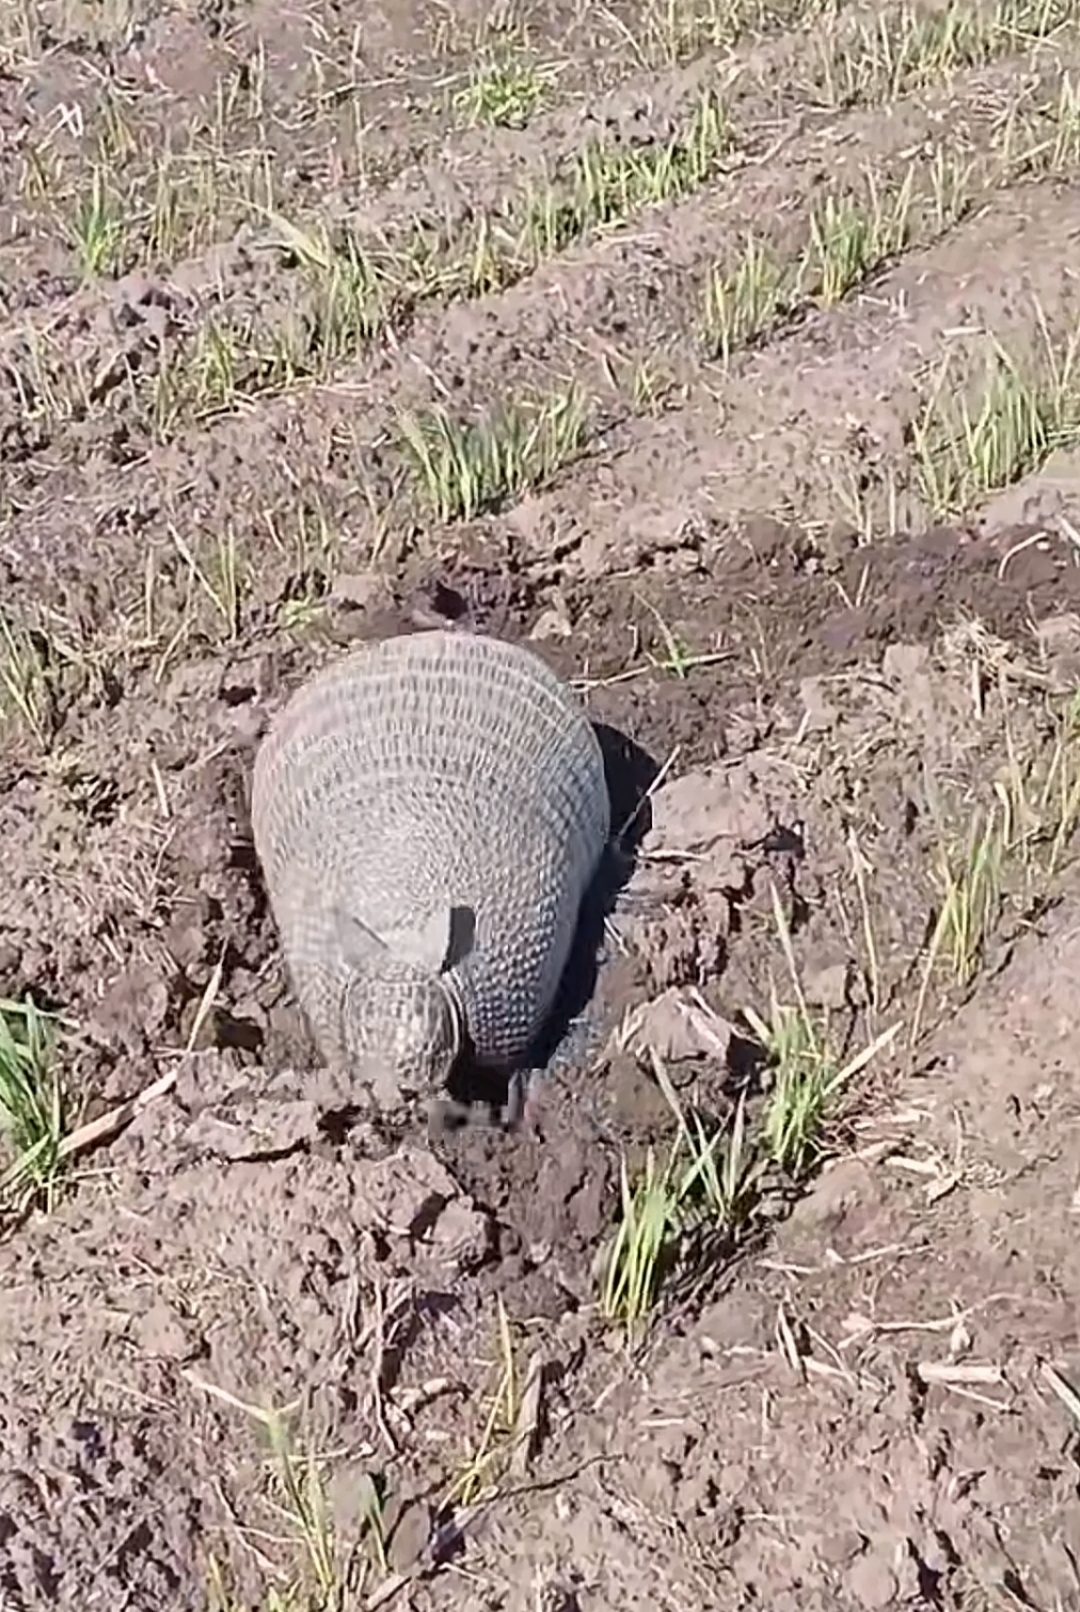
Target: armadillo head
{"points": [[401, 1014]]}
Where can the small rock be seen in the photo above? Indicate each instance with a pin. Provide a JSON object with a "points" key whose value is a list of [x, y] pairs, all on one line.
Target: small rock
{"points": [[254, 1128], [162, 1332], [730, 1324], [903, 663], [410, 1535], [871, 1583], [829, 987], [713, 819], [675, 1025], [405, 1193], [821, 712], [594, 557], [534, 523], [356, 588], [841, 1547], [657, 1485], [1059, 645], [554, 622], [843, 1186], [187, 940], [678, 947], [134, 1009], [463, 1234]]}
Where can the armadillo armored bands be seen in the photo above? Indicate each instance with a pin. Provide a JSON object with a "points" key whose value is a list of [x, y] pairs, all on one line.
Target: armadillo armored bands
{"points": [[428, 812]]}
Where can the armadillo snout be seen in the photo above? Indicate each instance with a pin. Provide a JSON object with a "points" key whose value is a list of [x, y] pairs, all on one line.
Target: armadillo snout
{"points": [[401, 1041]]}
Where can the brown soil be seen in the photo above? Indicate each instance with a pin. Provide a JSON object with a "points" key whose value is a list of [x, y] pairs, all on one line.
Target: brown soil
{"points": [[845, 1405]]}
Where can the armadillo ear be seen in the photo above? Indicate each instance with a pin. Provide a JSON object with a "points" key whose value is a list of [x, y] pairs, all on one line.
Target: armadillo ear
{"points": [[356, 940], [427, 946], [444, 937]]}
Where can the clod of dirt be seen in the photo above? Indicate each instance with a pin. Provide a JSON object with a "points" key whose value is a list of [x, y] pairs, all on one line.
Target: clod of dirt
{"points": [[676, 1025], [257, 1128], [719, 820], [1042, 499], [846, 1190], [871, 1583], [710, 831], [133, 1011], [833, 987], [819, 710], [644, 538], [554, 621], [551, 1187], [165, 1334], [679, 945], [358, 589], [410, 1196], [1058, 638]]}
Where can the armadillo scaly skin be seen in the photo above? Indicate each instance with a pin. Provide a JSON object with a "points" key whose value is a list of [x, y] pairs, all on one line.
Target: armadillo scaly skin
{"points": [[435, 771]]}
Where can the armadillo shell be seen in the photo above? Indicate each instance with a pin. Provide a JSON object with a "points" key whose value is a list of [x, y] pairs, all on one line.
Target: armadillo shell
{"points": [[433, 769]]}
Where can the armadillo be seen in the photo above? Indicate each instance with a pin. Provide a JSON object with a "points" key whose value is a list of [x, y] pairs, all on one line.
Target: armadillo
{"points": [[429, 812]]}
